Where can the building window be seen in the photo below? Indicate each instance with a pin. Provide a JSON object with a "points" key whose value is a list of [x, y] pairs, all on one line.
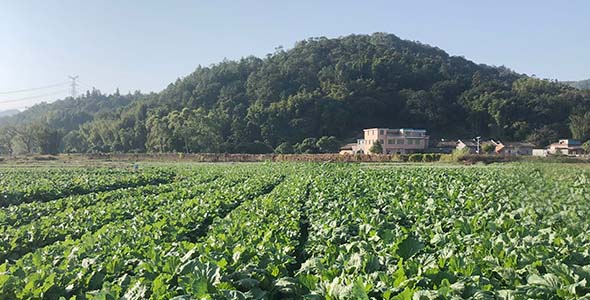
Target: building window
{"points": [[382, 133], [390, 142], [381, 141], [418, 142], [400, 142]]}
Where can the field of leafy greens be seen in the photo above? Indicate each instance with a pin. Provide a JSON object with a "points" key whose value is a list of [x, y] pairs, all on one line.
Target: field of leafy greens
{"points": [[296, 231]]}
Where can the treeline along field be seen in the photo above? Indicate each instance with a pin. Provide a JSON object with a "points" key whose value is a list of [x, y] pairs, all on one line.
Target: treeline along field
{"points": [[296, 231]]}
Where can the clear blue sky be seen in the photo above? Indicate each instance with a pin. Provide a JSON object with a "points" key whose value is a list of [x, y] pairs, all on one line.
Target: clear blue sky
{"points": [[147, 44]]}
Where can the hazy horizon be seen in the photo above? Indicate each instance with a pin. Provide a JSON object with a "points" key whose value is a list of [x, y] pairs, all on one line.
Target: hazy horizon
{"points": [[146, 45]]}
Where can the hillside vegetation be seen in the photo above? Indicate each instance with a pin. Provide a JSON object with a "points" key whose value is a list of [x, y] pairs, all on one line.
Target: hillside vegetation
{"points": [[288, 100]]}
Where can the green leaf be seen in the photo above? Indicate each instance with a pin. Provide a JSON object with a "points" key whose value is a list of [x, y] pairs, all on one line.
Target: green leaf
{"points": [[406, 294], [409, 247]]}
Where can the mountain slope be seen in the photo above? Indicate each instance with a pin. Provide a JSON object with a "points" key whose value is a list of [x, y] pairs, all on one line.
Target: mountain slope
{"points": [[8, 113], [68, 114], [328, 87]]}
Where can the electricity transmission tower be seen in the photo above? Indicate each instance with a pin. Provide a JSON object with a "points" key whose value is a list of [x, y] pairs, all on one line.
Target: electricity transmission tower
{"points": [[73, 86]]}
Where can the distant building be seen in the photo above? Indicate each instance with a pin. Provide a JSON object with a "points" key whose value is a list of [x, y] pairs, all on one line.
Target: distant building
{"points": [[348, 148], [566, 147], [393, 141], [540, 152], [444, 146], [470, 145], [513, 148]]}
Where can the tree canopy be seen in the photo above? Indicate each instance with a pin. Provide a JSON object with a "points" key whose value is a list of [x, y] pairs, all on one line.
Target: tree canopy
{"points": [[310, 98]]}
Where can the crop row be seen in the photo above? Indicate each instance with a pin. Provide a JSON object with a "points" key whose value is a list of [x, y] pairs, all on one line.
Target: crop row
{"points": [[445, 234], [21, 186], [251, 253], [25, 213], [313, 232], [73, 223], [113, 253]]}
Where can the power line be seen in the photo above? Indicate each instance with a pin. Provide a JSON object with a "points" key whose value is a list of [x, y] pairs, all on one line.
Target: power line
{"points": [[73, 91], [82, 84], [33, 89], [33, 97]]}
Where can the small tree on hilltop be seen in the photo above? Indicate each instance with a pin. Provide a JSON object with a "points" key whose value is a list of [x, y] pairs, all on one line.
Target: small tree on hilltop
{"points": [[376, 148]]}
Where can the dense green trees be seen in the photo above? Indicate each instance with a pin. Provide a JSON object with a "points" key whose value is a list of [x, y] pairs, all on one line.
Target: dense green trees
{"points": [[28, 138], [314, 97], [328, 144], [7, 135], [47, 139], [580, 125]]}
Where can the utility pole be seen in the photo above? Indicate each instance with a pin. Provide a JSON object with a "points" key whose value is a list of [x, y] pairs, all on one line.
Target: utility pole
{"points": [[477, 139], [73, 86]]}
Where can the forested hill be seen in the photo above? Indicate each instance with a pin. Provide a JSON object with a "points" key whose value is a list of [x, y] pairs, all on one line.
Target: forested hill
{"points": [[320, 88]]}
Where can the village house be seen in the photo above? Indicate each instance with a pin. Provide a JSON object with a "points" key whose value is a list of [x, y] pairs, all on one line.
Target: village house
{"points": [[540, 152], [444, 146], [393, 141], [513, 148], [469, 145], [347, 149], [566, 147]]}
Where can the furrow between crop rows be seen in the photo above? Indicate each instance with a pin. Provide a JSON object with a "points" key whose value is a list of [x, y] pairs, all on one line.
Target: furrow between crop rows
{"points": [[304, 224]]}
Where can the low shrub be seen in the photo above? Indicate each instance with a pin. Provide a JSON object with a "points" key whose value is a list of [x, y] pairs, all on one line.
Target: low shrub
{"points": [[416, 157], [431, 157], [44, 157]]}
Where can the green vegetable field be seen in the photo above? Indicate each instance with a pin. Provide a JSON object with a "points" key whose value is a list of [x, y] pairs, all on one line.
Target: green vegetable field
{"points": [[296, 231]]}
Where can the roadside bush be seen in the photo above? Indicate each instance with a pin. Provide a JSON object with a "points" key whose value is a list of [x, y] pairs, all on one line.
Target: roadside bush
{"points": [[455, 156], [44, 157], [416, 157], [284, 148], [431, 157], [404, 157]]}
